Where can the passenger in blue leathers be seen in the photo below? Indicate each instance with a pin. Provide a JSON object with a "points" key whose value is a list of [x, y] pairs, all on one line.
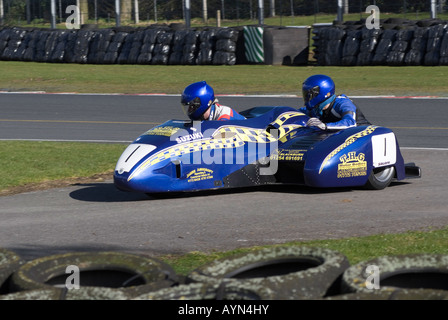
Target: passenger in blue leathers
{"points": [[327, 110], [199, 103]]}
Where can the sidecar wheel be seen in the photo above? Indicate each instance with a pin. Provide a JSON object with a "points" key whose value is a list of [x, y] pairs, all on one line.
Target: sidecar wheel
{"points": [[380, 178]]}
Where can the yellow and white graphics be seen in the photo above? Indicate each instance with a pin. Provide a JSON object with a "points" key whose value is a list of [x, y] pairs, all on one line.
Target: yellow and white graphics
{"points": [[199, 174], [352, 165], [347, 142], [287, 155], [223, 138], [166, 131]]}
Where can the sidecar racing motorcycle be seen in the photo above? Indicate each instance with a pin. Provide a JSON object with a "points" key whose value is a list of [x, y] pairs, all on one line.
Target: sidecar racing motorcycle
{"points": [[271, 146]]}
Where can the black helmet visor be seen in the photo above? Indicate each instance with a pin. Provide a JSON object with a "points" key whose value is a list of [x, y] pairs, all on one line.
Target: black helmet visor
{"points": [[191, 106], [310, 94]]}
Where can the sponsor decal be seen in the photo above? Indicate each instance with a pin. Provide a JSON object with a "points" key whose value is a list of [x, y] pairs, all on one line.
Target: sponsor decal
{"points": [[166, 131], [199, 174], [288, 155], [352, 165], [347, 142], [189, 137]]}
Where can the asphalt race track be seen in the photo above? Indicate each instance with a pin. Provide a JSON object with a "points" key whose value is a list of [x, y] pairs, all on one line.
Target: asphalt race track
{"points": [[96, 216]]}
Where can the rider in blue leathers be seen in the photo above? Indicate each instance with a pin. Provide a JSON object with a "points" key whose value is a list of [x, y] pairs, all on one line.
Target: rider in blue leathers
{"points": [[199, 103], [327, 110]]}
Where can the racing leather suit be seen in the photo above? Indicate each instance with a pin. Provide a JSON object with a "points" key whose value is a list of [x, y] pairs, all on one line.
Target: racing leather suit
{"points": [[341, 114], [219, 112]]}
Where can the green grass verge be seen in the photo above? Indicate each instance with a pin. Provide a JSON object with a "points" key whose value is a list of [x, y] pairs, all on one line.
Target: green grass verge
{"points": [[237, 79], [31, 162], [431, 241]]}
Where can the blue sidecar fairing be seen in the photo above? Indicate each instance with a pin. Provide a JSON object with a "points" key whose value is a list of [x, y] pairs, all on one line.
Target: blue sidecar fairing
{"points": [[272, 146]]}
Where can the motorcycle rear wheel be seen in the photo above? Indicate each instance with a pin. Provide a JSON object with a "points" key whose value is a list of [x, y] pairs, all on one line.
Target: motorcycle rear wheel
{"points": [[380, 178]]}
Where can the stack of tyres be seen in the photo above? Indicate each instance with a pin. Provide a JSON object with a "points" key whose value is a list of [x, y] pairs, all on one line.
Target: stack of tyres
{"points": [[60, 48], [416, 54], [225, 53], [147, 46], [99, 45], [351, 48], [400, 47], [123, 57], [369, 42], [178, 47], [115, 47], [435, 35], [330, 46], [82, 44], [191, 48], [11, 41], [136, 46], [334, 45], [384, 47], [444, 49], [207, 41], [162, 48]]}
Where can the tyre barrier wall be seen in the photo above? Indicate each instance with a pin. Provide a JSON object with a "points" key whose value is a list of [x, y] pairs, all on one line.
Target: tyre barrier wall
{"points": [[398, 42], [277, 273], [156, 45], [153, 45]]}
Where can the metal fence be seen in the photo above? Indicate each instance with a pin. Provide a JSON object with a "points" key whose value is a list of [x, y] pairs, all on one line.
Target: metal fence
{"points": [[134, 12]]}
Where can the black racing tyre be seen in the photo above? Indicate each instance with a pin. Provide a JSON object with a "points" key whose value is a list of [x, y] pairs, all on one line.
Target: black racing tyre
{"points": [[380, 178], [132, 274], [9, 263], [418, 271], [291, 272], [203, 291]]}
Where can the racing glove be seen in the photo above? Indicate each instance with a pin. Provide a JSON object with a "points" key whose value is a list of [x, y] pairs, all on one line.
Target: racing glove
{"points": [[315, 122]]}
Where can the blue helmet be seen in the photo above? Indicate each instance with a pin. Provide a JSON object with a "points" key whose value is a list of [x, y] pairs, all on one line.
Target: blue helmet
{"points": [[318, 91], [196, 99]]}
